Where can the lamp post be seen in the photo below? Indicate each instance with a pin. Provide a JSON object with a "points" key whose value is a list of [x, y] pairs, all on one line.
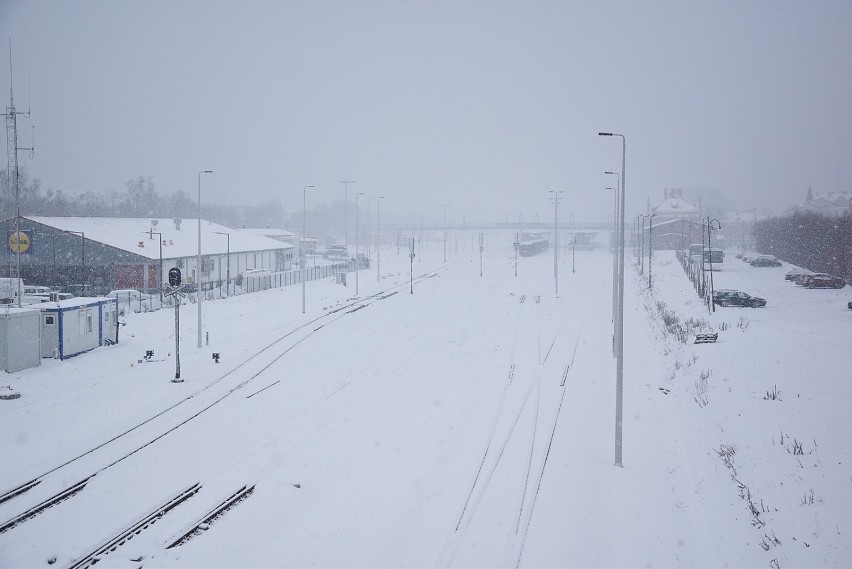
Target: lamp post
{"points": [[151, 234], [198, 259], [650, 245], [346, 212], [619, 373], [82, 260], [710, 256], [304, 243], [556, 235], [228, 262], [378, 243], [357, 259], [614, 256]]}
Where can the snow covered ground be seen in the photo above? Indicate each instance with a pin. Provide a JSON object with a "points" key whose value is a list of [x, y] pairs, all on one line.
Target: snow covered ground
{"points": [[470, 424]]}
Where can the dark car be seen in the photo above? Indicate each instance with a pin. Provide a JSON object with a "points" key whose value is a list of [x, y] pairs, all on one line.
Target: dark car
{"points": [[765, 261], [726, 297], [849, 306], [823, 280]]}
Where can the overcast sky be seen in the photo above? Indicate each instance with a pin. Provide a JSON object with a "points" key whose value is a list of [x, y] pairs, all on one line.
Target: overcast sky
{"points": [[483, 105]]}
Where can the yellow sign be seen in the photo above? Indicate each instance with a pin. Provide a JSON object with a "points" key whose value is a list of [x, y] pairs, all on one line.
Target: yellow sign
{"points": [[19, 242]]}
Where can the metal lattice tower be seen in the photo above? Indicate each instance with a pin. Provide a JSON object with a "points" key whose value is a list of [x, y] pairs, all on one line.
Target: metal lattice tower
{"points": [[12, 173]]}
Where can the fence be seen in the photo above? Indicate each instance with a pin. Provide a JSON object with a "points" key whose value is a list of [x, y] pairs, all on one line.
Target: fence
{"points": [[251, 281]]}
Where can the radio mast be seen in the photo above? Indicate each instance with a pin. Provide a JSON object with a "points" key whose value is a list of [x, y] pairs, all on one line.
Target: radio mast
{"points": [[12, 174]]}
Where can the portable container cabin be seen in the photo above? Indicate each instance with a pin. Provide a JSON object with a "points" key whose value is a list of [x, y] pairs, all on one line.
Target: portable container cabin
{"points": [[19, 339], [71, 327]]}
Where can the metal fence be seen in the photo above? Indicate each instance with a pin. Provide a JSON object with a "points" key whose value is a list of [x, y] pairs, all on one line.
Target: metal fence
{"points": [[249, 282]]}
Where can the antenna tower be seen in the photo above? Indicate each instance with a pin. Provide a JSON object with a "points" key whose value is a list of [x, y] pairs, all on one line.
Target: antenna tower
{"points": [[12, 173]]}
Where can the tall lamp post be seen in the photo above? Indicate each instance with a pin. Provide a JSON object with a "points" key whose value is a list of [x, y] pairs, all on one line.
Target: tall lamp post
{"points": [[378, 242], [556, 235], [614, 258], [710, 256], [228, 262], [357, 259], [346, 212], [198, 259], [151, 234], [619, 373], [650, 245], [304, 243]]}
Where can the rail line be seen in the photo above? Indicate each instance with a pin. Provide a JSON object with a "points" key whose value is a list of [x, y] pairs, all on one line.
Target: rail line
{"points": [[135, 529], [534, 471], [67, 493], [207, 519]]}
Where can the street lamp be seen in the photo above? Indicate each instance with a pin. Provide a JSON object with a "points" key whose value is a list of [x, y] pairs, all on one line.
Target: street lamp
{"points": [[346, 213], [304, 243], [228, 257], [357, 259], [198, 260], [556, 235], [614, 257], [619, 373], [151, 234], [650, 244], [378, 242], [710, 255]]}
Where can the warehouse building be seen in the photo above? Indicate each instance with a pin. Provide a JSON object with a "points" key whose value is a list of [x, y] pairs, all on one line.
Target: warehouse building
{"points": [[94, 255]]}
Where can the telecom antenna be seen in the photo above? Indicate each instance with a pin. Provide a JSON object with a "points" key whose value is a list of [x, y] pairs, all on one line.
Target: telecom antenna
{"points": [[13, 176]]}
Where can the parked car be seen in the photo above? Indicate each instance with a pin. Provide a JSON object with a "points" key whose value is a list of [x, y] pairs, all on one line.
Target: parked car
{"points": [[765, 261], [794, 272], [128, 295], [727, 297], [823, 280], [849, 306]]}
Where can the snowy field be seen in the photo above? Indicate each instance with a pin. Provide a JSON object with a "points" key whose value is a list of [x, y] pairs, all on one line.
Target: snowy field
{"points": [[469, 424]]}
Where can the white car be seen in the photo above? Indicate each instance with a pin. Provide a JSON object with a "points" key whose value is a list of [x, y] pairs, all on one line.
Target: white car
{"points": [[128, 295]]}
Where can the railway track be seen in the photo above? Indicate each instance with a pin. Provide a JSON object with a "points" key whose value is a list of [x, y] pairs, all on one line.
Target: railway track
{"points": [[134, 529], [308, 329], [510, 416]]}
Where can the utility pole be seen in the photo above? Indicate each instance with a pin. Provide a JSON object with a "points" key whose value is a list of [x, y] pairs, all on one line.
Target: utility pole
{"points": [[346, 213], [517, 245], [411, 260], [556, 235], [18, 241]]}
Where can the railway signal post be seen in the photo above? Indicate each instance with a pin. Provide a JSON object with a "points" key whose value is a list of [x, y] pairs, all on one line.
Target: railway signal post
{"points": [[175, 288]]}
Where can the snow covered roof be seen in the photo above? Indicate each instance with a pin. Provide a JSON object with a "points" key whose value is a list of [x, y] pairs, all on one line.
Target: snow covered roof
{"points": [[269, 232], [132, 234], [675, 206]]}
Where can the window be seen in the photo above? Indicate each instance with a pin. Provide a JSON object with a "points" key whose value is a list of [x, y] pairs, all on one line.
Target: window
{"points": [[49, 320], [88, 322]]}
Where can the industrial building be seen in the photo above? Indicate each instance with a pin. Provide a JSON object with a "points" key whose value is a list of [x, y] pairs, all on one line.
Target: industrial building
{"points": [[94, 255]]}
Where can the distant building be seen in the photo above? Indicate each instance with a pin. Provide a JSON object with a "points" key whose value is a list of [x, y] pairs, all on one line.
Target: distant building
{"points": [[834, 204], [94, 255], [676, 223]]}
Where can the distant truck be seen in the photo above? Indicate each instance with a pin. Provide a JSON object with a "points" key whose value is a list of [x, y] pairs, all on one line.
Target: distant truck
{"points": [[9, 289]]}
